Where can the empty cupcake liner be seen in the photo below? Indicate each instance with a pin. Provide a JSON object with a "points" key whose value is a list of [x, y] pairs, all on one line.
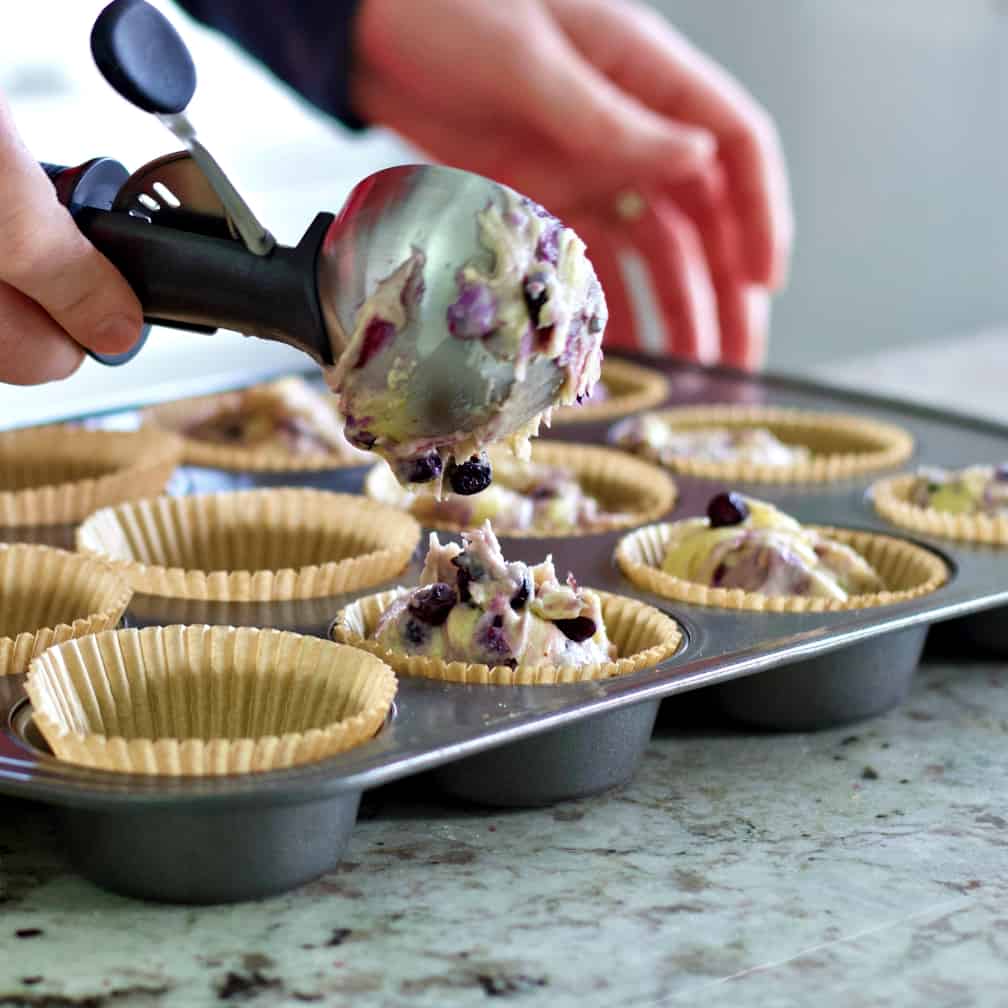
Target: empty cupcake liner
{"points": [[60, 474], [252, 545], [841, 445], [48, 596], [630, 490], [630, 387], [891, 498], [200, 700], [908, 570], [177, 416], [643, 636]]}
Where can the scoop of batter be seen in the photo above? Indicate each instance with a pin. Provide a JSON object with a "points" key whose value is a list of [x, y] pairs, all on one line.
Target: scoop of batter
{"points": [[529, 317], [286, 415], [473, 606], [653, 436], [980, 489], [746, 543]]}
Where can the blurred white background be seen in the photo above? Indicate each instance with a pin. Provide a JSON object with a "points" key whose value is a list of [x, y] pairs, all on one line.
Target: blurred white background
{"points": [[892, 116]]}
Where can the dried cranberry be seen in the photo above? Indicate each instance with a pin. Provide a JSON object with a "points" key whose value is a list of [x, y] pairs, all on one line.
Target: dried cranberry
{"points": [[727, 509], [578, 629], [378, 334], [422, 469], [364, 440], [536, 296], [463, 579], [471, 477], [433, 603], [520, 597], [415, 632], [495, 641]]}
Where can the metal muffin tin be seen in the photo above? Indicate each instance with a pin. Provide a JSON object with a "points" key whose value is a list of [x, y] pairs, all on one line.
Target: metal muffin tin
{"points": [[217, 839]]}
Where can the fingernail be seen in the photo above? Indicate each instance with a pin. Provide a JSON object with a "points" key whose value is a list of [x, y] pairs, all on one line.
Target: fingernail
{"points": [[117, 334]]}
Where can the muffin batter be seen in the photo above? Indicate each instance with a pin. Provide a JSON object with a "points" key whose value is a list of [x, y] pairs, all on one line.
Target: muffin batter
{"points": [[652, 436], [980, 489], [286, 415], [746, 543], [473, 606], [539, 303]]}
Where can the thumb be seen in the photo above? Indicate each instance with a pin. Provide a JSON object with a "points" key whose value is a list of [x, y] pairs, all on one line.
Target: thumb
{"points": [[44, 255]]}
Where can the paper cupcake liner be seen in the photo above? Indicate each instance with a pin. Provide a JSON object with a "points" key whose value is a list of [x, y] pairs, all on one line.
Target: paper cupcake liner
{"points": [[252, 545], [60, 474], [202, 700], [176, 416], [48, 596], [630, 490], [631, 388], [908, 571], [643, 636], [842, 445], [891, 498]]}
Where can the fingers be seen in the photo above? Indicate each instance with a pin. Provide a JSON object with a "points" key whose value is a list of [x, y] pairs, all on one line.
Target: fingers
{"points": [[669, 244], [742, 322], [640, 52], [668, 269], [33, 348], [583, 112], [654, 274], [45, 257]]}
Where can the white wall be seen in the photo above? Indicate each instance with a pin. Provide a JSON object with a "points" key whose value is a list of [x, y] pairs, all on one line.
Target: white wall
{"points": [[893, 116]]}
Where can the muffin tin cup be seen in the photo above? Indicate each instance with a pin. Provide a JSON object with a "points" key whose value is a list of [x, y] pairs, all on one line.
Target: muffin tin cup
{"points": [[55, 475], [630, 490], [850, 684], [891, 499], [841, 445], [585, 758], [252, 545], [48, 596], [174, 417], [200, 700], [643, 636], [223, 854], [908, 570]]}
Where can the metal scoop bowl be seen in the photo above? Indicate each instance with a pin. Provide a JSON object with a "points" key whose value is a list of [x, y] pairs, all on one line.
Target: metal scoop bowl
{"points": [[200, 262]]}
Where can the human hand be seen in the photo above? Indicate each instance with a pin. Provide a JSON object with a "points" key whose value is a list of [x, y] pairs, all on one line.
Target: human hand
{"points": [[57, 293], [599, 110]]}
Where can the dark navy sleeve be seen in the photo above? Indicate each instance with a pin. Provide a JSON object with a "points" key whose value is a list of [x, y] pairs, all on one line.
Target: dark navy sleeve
{"points": [[306, 43]]}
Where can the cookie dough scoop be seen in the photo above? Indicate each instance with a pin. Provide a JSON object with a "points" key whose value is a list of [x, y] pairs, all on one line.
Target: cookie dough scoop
{"points": [[447, 311]]}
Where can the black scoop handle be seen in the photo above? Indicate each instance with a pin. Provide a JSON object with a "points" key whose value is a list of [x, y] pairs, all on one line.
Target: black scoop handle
{"points": [[195, 281], [142, 56]]}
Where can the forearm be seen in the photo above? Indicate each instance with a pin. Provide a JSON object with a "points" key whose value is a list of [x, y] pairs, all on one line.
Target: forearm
{"points": [[307, 44]]}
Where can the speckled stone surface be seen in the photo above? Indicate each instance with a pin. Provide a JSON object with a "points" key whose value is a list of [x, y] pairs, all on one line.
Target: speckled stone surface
{"points": [[855, 867]]}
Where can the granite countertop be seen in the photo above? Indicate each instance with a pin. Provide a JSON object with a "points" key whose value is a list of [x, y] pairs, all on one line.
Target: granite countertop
{"points": [[859, 866], [862, 866]]}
